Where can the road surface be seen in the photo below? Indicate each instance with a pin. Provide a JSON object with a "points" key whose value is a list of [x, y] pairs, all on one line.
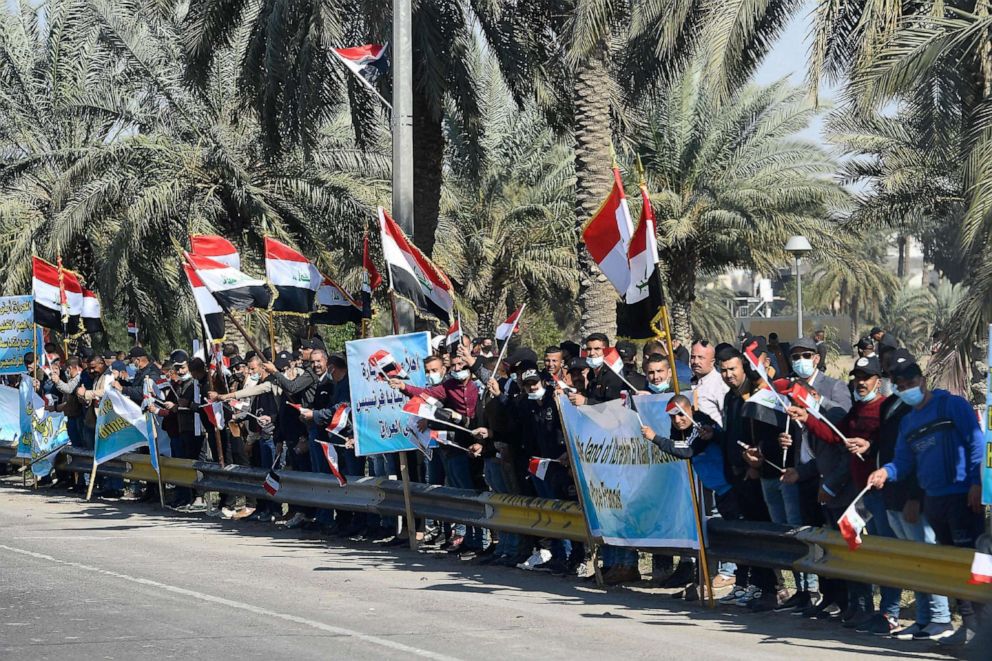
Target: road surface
{"points": [[123, 580]]}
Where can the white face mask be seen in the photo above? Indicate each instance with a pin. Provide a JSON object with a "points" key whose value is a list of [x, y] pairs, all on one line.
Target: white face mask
{"points": [[461, 375], [658, 387], [594, 361], [185, 377], [433, 378], [253, 377], [537, 394]]}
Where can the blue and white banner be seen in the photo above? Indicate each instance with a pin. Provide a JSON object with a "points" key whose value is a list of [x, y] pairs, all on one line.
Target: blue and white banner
{"points": [[10, 416], [51, 434], [632, 493], [18, 334], [377, 410], [120, 426], [29, 406], [987, 463]]}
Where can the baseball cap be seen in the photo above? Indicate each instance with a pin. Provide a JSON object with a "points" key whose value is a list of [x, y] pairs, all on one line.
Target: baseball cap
{"points": [[137, 352], [869, 366], [902, 364], [337, 358], [530, 375], [806, 343], [875, 329], [626, 349], [178, 357], [118, 366], [236, 361], [282, 360], [577, 364], [520, 355], [866, 343]]}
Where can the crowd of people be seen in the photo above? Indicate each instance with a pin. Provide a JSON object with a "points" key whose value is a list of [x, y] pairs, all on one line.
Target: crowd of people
{"points": [[920, 449]]}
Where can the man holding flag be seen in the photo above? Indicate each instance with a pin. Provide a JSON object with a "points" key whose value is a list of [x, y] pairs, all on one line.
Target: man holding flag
{"points": [[940, 442]]}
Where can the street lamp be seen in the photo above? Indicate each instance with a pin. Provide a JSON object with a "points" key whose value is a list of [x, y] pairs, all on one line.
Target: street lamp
{"points": [[798, 246]]}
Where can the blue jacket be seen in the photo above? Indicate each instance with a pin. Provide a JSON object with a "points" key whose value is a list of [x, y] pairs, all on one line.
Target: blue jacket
{"points": [[706, 456], [942, 443]]}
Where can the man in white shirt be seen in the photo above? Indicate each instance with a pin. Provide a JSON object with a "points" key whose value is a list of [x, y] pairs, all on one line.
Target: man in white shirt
{"points": [[708, 388]]}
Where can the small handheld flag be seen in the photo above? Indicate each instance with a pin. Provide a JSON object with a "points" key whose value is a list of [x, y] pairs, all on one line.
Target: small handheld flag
{"points": [[852, 523], [339, 420], [271, 483], [538, 467], [383, 362], [331, 455], [981, 569], [509, 327]]}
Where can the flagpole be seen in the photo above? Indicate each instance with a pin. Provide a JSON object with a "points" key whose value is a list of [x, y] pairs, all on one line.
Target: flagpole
{"points": [[704, 570], [272, 334], [367, 84], [158, 459], [590, 542]]}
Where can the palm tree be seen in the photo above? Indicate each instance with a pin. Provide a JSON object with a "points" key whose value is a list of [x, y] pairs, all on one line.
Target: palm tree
{"points": [[859, 285], [711, 317], [168, 163], [730, 183], [908, 315], [504, 230]]}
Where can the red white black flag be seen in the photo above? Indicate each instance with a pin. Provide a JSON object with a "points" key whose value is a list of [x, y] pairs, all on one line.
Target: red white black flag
{"points": [[607, 236], [295, 279], [216, 248], [211, 314], [368, 62], [233, 289], [58, 297], [411, 274]]}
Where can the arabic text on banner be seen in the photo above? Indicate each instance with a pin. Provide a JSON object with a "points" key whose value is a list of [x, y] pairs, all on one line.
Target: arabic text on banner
{"points": [[377, 410], [10, 416], [632, 493], [17, 332], [50, 433]]}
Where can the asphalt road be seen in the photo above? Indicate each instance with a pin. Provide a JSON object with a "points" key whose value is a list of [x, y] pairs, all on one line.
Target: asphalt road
{"points": [[121, 580]]}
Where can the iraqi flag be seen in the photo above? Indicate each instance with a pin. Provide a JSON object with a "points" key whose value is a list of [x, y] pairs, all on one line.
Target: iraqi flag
{"points": [[538, 467], [215, 413], [422, 406], [91, 313], [339, 419], [334, 306], [331, 455], [644, 294], [411, 274], [233, 289], [296, 280], [607, 236], [454, 334], [368, 62], [851, 524], [981, 569], [384, 363], [216, 248], [56, 307], [507, 328], [612, 359], [271, 483], [211, 314]]}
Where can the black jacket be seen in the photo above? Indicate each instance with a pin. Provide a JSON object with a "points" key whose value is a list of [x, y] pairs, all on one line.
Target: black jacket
{"points": [[895, 494], [300, 390], [135, 391], [604, 386], [539, 426]]}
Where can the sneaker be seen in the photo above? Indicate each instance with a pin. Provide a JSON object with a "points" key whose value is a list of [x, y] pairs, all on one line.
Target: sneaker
{"points": [[858, 619], [294, 521], [934, 631], [731, 597], [815, 599], [721, 581], [243, 513], [908, 633], [539, 556], [798, 601], [456, 544], [617, 575], [876, 621], [226, 512], [828, 612], [752, 592], [762, 603], [959, 638]]}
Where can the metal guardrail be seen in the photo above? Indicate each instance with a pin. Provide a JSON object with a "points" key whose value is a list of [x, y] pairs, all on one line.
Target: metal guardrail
{"points": [[925, 567]]}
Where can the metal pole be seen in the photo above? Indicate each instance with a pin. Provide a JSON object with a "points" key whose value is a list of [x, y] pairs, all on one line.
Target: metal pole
{"points": [[402, 65], [799, 300]]}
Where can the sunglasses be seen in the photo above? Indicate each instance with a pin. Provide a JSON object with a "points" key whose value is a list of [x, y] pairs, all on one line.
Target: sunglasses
{"points": [[806, 354]]}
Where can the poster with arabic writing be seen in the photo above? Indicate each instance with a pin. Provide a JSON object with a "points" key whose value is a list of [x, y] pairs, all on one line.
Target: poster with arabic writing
{"points": [[17, 332], [377, 410]]}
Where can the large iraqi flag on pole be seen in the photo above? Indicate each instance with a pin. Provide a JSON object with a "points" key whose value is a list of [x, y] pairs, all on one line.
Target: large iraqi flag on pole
{"points": [[607, 236], [644, 294], [411, 274], [56, 297], [233, 289], [216, 248], [296, 280]]}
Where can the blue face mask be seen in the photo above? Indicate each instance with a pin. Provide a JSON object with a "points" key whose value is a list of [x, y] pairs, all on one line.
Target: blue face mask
{"points": [[866, 398], [433, 378], [658, 387], [803, 367], [594, 361], [461, 375], [911, 396]]}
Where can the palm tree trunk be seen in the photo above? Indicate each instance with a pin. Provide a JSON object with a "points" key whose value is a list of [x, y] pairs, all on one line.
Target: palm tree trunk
{"points": [[682, 292], [597, 298], [855, 322], [903, 244], [428, 157]]}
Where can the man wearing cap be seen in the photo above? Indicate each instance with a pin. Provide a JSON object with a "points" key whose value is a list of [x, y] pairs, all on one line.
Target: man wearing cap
{"points": [[861, 426], [940, 442], [145, 368], [628, 354], [302, 389], [835, 398], [883, 340]]}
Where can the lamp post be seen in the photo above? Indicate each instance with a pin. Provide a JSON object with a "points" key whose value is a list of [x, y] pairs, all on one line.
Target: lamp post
{"points": [[798, 246]]}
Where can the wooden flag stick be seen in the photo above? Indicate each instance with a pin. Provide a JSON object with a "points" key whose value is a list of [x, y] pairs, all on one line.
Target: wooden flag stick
{"points": [[89, 490]]}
